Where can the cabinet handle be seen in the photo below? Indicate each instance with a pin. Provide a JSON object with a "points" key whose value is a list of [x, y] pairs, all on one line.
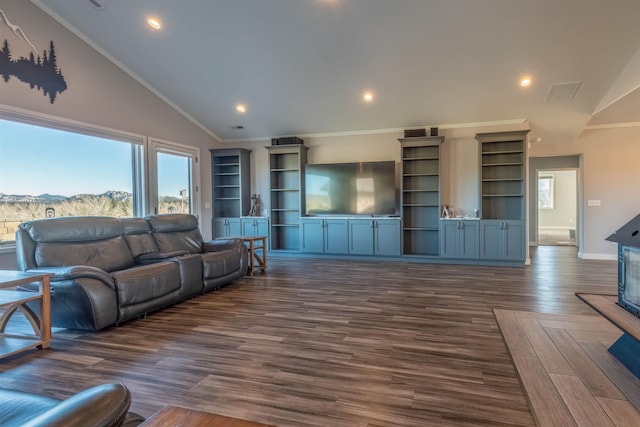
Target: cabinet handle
{"points": [[372, 226]]}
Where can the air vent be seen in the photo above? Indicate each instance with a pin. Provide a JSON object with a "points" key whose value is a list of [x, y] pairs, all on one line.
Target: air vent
{"points": [[562, 92], [96, 4]]}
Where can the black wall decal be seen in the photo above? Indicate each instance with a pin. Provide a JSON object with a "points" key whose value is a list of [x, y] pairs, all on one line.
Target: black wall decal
{"points": [[42, 73]]}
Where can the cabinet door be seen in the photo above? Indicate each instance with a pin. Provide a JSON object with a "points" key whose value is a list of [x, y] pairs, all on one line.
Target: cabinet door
{"points": [[233, 227], [219, 227], [490, 239], [449, 240], [513, 248], [361, 237], [248, 227], [312, 235], [262, 227], [336, 232], [387, 237], [469, 242]]}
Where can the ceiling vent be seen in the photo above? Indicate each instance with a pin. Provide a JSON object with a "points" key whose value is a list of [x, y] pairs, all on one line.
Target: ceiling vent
{"points": [[96, 4], [562, 92]]}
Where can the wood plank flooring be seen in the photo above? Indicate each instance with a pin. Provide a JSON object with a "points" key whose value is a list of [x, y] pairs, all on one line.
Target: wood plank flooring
{"points": [[607, 305], [332, 343], [568, 375]]}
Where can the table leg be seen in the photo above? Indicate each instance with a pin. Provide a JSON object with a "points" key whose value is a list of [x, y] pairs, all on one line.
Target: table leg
{"points": [[45, 312]]}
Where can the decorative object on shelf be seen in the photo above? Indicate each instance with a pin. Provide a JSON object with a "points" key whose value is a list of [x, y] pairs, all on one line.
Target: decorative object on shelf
{"points": [[445, 211], [414, 133], [256, 205], [434, 131], [476, 213]]}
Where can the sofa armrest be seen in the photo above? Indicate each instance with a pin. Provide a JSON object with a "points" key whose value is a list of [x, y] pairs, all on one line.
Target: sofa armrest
{"points": [[73, 272], [103, 405], [222, 245]]}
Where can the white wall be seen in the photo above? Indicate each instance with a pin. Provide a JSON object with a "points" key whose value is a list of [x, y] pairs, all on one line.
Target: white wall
{"points": [[611, 173]]}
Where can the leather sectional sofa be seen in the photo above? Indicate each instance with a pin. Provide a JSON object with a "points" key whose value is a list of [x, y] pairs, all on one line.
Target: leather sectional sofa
{"points": [[107, 270]]}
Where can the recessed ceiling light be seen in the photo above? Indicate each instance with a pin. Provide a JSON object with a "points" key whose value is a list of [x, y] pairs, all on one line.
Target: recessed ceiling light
{"points": [[525, 82], [367, 96], [154, 23], [241, 108]]}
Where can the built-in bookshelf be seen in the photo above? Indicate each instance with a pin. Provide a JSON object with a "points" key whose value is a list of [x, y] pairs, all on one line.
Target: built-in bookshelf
{"points": [[286, 184], [502, 157], [502, 180], [420, 195], [231, 199]]}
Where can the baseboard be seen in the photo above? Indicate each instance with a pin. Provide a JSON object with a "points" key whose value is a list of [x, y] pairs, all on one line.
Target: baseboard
{"points": [[604, 257], [551, 227]]}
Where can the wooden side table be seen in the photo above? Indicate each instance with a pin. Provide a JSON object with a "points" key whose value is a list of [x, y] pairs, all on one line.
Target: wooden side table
{"points": [[256, 259], [13, 301], [174, 416]]}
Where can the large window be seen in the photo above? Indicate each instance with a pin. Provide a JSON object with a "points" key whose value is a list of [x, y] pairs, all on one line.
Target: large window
{"points": [[47, 172], [51, 167]]}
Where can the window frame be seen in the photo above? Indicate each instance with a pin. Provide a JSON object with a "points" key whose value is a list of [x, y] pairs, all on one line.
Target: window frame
{"points": [[139, 146], [551, 178], [160, 146]]}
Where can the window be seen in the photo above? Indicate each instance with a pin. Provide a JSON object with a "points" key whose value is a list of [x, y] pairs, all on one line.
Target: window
{"points": [[52, 168], [545, 190], [173, 176]]}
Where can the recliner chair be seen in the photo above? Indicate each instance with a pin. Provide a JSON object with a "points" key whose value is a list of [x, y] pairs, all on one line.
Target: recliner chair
{"points": [[105, 405]]}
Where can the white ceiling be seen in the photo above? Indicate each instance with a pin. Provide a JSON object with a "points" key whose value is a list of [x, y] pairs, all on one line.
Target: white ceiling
{"points": [[301, 66]]}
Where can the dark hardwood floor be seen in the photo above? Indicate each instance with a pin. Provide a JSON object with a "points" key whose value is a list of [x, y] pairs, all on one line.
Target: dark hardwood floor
{"points": [[328, 343]]}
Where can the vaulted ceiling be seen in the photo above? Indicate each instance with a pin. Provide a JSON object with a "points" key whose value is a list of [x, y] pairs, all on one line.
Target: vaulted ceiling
{"points": [[301, 66]]}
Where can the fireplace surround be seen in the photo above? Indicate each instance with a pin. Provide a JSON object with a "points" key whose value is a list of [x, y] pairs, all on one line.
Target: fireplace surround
{"points": [[628, 240]]}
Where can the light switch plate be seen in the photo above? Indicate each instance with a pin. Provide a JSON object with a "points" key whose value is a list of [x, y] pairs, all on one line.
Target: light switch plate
{"points": [[593, 202]]}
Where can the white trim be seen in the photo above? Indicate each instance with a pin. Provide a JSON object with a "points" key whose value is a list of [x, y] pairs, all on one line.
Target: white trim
{"points": [[124, 68], [554, 227], [613, 126], [54, 122], [384, 131], [606, 257]]}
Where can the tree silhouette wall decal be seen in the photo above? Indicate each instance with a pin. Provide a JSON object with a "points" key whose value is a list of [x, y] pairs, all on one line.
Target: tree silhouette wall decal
{"points": [[42, 73]]}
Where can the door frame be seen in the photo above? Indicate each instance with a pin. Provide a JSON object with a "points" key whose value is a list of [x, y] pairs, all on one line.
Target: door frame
{"points": [[568, 162]]}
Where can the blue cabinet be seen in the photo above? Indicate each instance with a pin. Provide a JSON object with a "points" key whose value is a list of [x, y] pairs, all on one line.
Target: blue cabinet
{"points": [[328, 236], [226, 227], [502, 240], [312, 233], [374, 237], [255, 226], [460, 239]]}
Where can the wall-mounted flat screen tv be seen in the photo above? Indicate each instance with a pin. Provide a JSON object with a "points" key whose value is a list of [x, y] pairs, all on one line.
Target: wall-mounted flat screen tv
{"points": [[367, 188]]}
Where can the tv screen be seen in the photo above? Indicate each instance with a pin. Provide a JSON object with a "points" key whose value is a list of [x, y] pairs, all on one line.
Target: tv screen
{"points": [[351, 188]]}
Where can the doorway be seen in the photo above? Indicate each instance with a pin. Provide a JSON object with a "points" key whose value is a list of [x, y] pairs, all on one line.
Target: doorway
{"points": [[557, 207], [549, 164]]}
